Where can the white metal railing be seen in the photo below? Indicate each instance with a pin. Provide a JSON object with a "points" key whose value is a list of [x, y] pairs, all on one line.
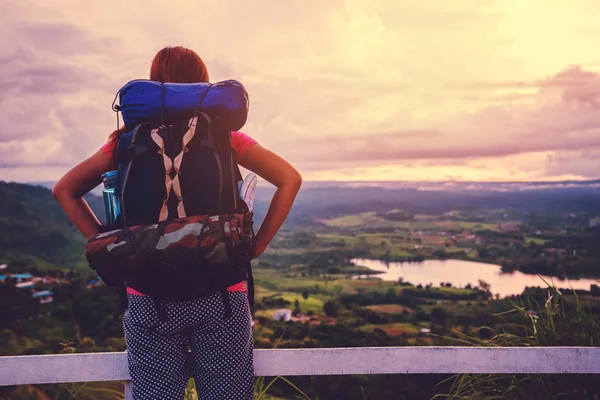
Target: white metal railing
{"points": [[97, 367]]}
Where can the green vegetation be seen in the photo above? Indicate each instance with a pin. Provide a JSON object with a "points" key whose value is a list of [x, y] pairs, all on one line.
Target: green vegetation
{"points": [[535, 240], [393, 329], [368, 218], [555, 320], [34, 231], [308, 270]]}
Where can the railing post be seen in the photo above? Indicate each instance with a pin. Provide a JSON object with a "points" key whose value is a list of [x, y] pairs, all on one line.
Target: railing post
{"points": [[128, 390]]}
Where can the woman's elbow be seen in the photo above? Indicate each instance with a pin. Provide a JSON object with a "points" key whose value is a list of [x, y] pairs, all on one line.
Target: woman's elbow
{"points": [[59, 192], [289, 181], [56, 191], [296, 180]]}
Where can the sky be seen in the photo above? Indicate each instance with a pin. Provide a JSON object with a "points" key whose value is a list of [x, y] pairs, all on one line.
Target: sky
{"points": [[369, 90]]}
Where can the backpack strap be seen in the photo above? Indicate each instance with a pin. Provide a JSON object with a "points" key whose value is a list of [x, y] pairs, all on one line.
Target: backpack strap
{"points": [[127, 149], [126, 141], [226, 302], [122, 304], [250, 288], [173, 165]]}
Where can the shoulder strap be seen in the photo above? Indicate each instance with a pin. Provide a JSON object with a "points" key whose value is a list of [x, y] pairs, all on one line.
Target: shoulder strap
{"points": [[124, 158], [127, 149]]}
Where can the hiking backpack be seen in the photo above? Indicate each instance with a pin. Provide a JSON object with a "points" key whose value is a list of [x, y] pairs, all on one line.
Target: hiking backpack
{"points": [[183, 231]]}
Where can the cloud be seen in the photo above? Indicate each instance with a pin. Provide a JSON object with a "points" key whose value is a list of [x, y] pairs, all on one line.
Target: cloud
{"points": [[32, 153], [341, 88], [25, 72], [56, 77], [584, 163], [62, 39], [563, 116]]}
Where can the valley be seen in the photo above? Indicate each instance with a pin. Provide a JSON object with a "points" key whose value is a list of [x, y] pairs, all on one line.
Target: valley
{"points": [[314, 287]]}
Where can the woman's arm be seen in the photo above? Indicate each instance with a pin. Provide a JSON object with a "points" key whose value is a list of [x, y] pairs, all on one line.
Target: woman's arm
{"points": [[71, 188], [284, 176]]}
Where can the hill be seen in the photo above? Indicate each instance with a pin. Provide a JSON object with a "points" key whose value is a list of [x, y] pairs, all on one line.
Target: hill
{"points": [[334, 201], [331, 199], [34, 230]]}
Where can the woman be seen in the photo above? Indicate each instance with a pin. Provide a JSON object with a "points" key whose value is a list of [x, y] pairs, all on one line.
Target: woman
{"points": [[221, 348]]}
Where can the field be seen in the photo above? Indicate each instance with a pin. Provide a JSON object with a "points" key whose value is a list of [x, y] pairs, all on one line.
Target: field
{"points": [[370, 220], [395, 329], [390, 309]]}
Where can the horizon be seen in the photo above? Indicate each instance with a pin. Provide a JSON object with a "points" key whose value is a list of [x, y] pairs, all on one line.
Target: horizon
{"points": [[471, 91], [396, 185]]}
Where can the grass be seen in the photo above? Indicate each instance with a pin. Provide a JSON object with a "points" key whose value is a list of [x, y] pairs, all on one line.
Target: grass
{"points": [[394, 329], [267, 313], [390, 309], [70, 391], [270, 281], [394, 254], [335, 237], [477, 226], [314, 303], [447, 291], [535, 240], [419, 223], [260, 292], [557, 321], [357, 220], [451, 250], [261, 387], [370, 284], [458, 307], [452, 290]]}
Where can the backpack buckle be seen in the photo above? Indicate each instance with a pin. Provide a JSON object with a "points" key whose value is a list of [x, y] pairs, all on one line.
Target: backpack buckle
{"points": [[166, 132]]}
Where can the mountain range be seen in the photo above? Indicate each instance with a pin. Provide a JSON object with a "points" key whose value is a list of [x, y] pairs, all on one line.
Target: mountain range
{"points": [[35, 230]]}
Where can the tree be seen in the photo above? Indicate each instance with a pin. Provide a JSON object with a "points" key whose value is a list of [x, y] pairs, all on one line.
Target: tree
{"points": [[439, 314], [483, 253], [296, 310], [330, 308], [484, 285], [305, 294]]}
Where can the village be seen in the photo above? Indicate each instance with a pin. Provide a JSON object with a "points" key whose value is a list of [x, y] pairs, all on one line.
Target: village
{"points": [[37, 287]]}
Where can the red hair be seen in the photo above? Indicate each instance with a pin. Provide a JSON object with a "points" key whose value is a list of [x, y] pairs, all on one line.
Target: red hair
{"points": [[173, 64], [178, 64]]}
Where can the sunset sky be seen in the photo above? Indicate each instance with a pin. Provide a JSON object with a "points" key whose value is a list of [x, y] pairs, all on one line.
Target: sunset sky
{"points": [[434, 90]]}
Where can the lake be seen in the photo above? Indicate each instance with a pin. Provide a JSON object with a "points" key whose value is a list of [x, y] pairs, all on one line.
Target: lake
{"points": [[460, 273]]}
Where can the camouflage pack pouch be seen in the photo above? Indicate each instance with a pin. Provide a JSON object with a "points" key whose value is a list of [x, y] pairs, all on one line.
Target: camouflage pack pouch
{"points": [[177, 259]]}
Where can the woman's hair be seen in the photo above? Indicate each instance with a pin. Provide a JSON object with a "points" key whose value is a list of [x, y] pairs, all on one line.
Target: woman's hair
{"points": [[178, 64], [173, 64]]}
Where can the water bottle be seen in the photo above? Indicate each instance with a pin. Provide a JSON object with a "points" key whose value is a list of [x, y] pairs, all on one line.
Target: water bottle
{"points": [[112, 196], [246, 188]]}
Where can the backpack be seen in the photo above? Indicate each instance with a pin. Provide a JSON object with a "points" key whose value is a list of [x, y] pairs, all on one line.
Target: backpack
{"points": [[183, 231]]}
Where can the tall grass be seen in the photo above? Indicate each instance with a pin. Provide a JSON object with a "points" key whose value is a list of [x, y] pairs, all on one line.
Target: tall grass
{"points": [[558, 320], [261, 386]]}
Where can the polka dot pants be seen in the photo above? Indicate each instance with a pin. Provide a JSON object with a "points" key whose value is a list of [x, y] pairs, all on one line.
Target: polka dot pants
{"points": [[221, 349]]}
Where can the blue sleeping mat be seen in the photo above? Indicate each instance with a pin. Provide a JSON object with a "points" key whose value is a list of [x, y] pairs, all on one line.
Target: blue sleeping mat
{"points": [[141, 101]]}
